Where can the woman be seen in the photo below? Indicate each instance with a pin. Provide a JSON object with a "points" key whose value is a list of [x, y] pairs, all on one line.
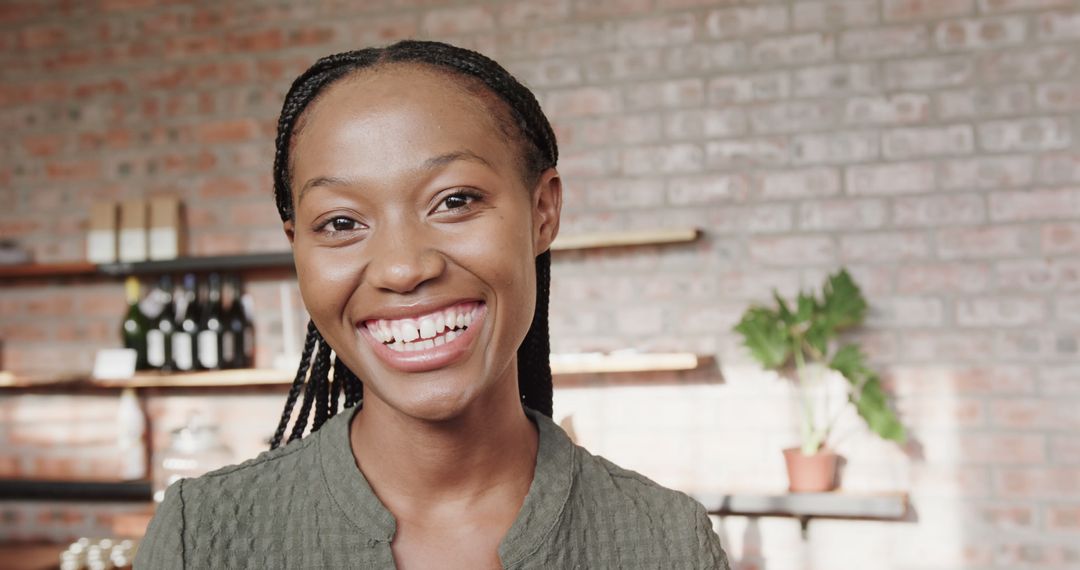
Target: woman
{"points": [[418, 188]]}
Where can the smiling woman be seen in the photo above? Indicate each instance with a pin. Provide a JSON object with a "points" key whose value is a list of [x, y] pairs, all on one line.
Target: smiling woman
{"points": [[426, 199]]}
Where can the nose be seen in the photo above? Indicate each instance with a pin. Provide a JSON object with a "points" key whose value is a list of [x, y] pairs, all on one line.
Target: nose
{"points": [[402, 259]]}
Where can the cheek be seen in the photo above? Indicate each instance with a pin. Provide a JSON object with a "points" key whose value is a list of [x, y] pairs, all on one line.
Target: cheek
{"points": [[503, 260], [326, 283]]}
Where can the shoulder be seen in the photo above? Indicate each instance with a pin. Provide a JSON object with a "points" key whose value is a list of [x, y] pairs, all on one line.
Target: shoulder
{"points": [[669, 523], [234, 502], [610, 486], [277, 468]]}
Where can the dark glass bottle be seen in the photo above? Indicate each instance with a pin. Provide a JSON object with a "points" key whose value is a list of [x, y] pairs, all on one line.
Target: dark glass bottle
{"points": [[211, 325], [135, 324], [187, 327], [237, 338], [159, 337]]}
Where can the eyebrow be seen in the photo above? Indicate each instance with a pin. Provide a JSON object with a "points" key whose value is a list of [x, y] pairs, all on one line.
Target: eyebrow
{"points": [[429, 164]]}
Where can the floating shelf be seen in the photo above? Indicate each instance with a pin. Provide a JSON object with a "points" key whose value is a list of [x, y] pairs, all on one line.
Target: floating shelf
{"points": [[284, 260], [832, 505], [586, 363], [807, 506]]}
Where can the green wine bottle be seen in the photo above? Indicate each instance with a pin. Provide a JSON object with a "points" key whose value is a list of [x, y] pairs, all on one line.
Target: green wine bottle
{"points": [[135, 324]]}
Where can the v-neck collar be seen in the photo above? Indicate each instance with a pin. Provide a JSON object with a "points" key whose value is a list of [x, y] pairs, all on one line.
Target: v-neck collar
{"points": [[547, 497]]}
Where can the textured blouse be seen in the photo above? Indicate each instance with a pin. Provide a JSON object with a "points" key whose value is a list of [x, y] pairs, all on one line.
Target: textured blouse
{"points": [[307, 505]]}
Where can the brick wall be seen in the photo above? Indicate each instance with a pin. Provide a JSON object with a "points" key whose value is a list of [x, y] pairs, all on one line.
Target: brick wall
{"points": [[928, 146]]}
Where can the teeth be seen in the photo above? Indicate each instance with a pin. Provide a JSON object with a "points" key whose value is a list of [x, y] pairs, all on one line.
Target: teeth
{"points": [[410, 335], [427, 327]]}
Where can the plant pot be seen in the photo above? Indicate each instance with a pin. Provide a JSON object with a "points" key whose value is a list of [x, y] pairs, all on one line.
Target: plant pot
{"points": [[810, 473]]}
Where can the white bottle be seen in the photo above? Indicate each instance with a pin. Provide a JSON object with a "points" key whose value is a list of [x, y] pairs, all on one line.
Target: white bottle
{"points": [[132, 431]]}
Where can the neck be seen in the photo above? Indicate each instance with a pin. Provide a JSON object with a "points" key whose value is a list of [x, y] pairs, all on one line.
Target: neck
{"points": [[418, 467]]}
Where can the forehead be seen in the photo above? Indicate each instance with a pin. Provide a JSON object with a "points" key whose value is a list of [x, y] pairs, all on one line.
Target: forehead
{"points": [[397, 112]]}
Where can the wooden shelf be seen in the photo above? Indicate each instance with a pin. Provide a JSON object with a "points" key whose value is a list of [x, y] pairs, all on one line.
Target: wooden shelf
{"points": [[29, 270], [105, 491], [587, 363], [280, 261], [618, 362], [627, 238]]}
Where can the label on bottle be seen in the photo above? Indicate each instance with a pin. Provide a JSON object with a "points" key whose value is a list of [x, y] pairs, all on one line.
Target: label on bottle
{"points": [[228, 347], [181, 351], [208, 349], [155, 348]]}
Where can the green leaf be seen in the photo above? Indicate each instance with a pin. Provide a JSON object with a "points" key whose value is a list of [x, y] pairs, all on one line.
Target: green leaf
{"points": [[817, 336], [766, 336], [850, 362], [783, 312], [873, 406], [806, 307], [844, 305], [866, 393]]}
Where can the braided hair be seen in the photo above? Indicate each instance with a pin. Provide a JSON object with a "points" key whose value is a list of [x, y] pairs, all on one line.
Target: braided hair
{"points": [[523, 122]]}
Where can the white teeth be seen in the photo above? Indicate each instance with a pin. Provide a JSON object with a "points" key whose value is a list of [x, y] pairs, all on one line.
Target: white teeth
{"points": [[427, 327], [435, 329]]}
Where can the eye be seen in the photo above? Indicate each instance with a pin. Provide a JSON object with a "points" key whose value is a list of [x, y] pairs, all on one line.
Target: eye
{"points": [[338, 225], [458, 201]]}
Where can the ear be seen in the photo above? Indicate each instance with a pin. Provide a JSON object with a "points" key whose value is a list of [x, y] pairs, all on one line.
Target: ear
{"points": [[547, 206], [290, 231]]}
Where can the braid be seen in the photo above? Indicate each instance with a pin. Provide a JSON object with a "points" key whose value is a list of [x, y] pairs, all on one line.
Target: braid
{"points": [[524, 122], [335, 387], [297, 385], [318, 370], [534, 354], [320, 375]]}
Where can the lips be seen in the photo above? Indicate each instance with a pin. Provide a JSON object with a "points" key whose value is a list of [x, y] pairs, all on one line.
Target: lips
{"points": [[428, 341]]}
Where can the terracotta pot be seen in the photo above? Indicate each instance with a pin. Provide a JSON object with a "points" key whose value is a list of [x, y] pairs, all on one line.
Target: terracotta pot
{"points": [[810, 473]]}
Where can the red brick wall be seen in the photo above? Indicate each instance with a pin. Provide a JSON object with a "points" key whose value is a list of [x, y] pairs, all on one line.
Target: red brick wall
{"points": [[929, 146]]}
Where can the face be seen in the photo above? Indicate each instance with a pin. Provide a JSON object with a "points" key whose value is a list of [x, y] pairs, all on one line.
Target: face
{"points": [[415, 238]]}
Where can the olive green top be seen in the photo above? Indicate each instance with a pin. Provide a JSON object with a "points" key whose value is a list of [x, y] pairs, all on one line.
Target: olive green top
{"points": [[307, 505]]}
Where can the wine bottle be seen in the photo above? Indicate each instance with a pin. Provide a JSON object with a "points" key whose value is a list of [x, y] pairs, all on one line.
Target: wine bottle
{"points": [[208, 349], [187, 326], [135, 324], [247, 342], [159, 337], [237, 335]]}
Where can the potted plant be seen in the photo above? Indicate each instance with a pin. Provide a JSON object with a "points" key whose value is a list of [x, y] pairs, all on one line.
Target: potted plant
{"points": [[807, 334]]}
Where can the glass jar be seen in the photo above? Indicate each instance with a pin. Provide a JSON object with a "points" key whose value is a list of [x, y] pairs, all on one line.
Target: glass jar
{"points": [[194, 449]]}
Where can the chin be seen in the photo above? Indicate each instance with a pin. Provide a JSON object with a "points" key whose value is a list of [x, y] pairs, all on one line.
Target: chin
{"points": [[433, 403]]}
